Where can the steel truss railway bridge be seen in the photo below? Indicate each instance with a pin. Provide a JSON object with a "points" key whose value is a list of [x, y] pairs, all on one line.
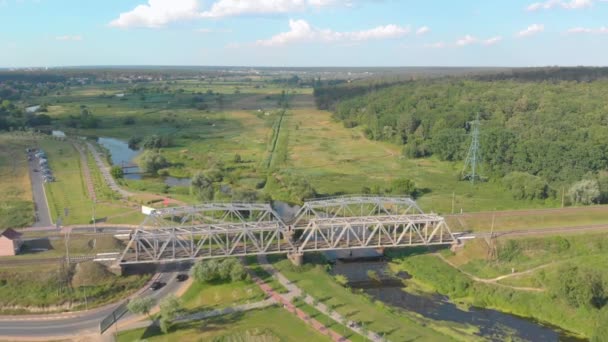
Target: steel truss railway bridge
{"points": [[215, 230]]}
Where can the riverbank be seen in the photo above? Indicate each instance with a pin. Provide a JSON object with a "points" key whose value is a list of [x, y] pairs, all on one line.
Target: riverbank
{"points": [[572, 282]]}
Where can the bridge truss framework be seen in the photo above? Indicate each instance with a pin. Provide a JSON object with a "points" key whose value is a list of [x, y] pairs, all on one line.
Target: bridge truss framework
{"points": [[215, 230]]}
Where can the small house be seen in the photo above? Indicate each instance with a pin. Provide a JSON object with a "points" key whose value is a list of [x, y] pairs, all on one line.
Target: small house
{"points": [[10, 242]]}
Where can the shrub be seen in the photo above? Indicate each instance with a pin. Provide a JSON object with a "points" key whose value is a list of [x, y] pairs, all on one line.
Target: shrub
{"points": [[91, 273]]}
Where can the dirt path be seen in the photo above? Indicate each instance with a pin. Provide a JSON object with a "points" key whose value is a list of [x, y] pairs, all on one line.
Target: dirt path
{"points": [[494, 281], [105, 172]]}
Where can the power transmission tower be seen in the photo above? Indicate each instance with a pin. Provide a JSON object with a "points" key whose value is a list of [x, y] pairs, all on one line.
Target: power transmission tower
{"points": [[470, 170]]}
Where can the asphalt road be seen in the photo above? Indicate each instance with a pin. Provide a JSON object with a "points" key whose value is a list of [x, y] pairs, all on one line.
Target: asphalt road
{"points": [[73, 324], [40, 205]]}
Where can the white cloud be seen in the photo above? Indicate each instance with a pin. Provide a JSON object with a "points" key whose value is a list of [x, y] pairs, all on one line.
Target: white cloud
{"points": [[302, 31], [157, 13], [531, 30], [601, 30], [437, 45], [70, 38], [492, 41], [422, 30], [466, 40], [549, 4]]}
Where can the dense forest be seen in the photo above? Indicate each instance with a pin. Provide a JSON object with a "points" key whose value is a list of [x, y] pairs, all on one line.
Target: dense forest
{"points": [[535, 136]]}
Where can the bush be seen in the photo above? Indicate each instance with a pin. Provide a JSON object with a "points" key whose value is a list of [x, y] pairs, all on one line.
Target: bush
{"points": [[526, 186], [212, 270], [585, 192], [117, 172], [90, 273], [151, 162], [202, 187], [404, 186]]}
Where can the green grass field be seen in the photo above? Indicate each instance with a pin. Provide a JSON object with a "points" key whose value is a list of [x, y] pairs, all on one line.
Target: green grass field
{"points": [[70, 191], [396, 325], [308, 144], [45, 286], [16, 205], [267, 325], [205, 296]]}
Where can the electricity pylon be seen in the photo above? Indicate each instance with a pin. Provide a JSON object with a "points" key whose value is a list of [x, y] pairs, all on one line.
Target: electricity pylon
{"points": [[470, 170]]}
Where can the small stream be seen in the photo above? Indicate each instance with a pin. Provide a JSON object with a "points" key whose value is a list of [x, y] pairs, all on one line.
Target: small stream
{"points": [[492, 324]]}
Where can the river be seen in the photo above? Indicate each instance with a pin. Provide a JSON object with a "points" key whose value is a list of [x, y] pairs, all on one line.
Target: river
{"points": [[121, 154], [493, 324]]}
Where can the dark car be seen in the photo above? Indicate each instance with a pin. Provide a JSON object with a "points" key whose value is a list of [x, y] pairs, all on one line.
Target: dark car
{"points": [[35, 170], [157, 285], [182, 277]]}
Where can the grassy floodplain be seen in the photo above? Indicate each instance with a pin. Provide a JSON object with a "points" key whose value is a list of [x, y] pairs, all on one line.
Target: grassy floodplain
{"points": [[270, 324], [310, 144], [559, 280], [396, 325]]}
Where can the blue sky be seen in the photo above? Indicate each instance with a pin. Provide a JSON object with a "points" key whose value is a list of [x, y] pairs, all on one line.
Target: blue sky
{"points": [[303, 32]]}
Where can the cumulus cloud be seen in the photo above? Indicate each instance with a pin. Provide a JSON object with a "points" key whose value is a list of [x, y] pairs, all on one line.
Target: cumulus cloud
{"points": [[601, 30], [69, 38], [549, 4], [492, 41], [157, 13], [422, 30], [531, 30], [229, 8], [466, 40], [302, 31]]}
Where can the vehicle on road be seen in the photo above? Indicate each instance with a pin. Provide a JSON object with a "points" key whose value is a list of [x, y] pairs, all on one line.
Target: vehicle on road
{"points": [[157, 285], [182, 277]]}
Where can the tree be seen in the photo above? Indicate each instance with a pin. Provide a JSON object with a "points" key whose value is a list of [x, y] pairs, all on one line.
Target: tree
{"points": [[403, 186], [170, 307], [141, 306], [202, 187], [237, 158], [584, 192], [205, 270], [237, 272], [117, 172], [150, 162], [526, 186]]}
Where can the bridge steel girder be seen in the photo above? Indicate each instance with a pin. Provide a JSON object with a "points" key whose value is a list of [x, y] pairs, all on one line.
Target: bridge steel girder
{"points": [[206, 242], [211, 213], [374, 232], [216, 230], [355, 206]]}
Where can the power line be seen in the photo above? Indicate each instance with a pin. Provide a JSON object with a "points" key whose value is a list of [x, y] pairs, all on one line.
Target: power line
{"points": [[470, 170]]}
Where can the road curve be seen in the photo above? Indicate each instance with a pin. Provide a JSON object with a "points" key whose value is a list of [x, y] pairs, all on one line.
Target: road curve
{"points": [[69, 325]]}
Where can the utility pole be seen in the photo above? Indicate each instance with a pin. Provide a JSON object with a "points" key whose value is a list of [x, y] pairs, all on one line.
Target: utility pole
{"points": [[470, 170], [453, 199], [94, 225]]}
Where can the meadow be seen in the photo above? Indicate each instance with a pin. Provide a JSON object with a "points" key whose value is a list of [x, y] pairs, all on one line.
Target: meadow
{"points": [[267, 325], [16, 206], [257, 136], [558, 279]]}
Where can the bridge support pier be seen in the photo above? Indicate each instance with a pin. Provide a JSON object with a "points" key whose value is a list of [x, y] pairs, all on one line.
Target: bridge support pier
{"points": [[296, 258], [116, 268]]}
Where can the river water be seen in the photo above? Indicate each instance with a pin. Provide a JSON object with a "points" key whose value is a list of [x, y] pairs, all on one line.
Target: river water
{"points": [[122, 155], [492, 324]]}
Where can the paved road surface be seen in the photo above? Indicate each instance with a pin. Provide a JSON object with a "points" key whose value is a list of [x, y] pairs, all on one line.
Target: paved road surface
{"points": [[70, 325], [42, 209]]}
